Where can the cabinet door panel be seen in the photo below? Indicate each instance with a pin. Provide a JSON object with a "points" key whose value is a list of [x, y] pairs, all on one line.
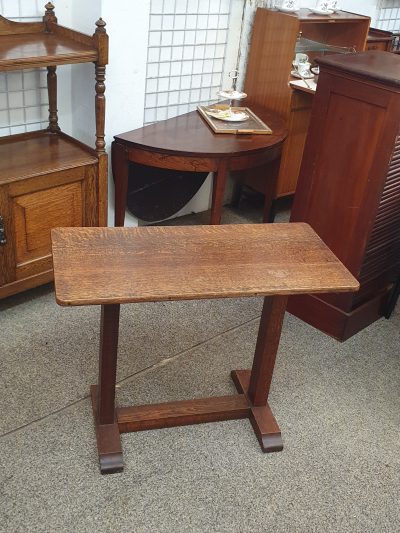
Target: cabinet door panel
{"points": [[31, 207], [35, 214]]}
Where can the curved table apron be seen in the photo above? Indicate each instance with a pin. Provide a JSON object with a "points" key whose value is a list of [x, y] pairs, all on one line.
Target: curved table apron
{"points": [[187, 143]]}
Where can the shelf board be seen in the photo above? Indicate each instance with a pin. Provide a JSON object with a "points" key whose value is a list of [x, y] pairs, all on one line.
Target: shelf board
{"points": [[306, 15], [40, 152], [302, 86], [308, 45], [33, 50]]}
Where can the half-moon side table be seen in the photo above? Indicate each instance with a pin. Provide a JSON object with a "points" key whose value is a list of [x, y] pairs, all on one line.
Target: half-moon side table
{"points": [[113, 266], [187, 143]]}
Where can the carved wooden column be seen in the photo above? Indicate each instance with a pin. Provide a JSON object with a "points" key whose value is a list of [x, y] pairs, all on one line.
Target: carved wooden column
{"points": [[52, 91], [101, 39], [50, 18]]}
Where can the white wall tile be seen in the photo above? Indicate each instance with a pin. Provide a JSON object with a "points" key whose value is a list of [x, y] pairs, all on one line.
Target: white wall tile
{"points": [[196, 46]]}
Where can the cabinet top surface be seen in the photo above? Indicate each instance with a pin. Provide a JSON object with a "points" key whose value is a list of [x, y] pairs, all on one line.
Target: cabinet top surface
{"points": [[306, 15], [36, 153], [375, 65], [120, 265], [40, 49]]}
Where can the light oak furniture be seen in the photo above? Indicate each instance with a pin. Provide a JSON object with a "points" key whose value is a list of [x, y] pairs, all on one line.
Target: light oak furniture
{"points": [[187, 143], [47, 178], [114, 266], [276, 38], [349, 186]]}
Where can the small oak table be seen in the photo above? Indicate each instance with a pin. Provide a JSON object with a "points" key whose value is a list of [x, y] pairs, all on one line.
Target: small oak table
{"points": [[187, 143], [113, 266]]}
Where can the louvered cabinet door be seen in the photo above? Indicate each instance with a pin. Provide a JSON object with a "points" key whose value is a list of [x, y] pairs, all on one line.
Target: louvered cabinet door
{"points": [[382, 257]]}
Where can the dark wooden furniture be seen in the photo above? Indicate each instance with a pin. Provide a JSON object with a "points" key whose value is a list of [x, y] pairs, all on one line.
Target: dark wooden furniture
{"points": [[349, 185], [47, 178], [380, 40], [113, 266], [276, 38], [187, 143]]}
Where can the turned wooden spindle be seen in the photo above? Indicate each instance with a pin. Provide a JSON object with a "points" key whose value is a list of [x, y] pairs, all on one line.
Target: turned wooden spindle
{"points": [[49, 15], [100, 107], [52, 92], [101, 38]]}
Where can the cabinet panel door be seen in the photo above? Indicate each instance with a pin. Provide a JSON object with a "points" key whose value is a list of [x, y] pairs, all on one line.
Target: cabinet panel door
{"points": [[39, 204], [36, 213]]}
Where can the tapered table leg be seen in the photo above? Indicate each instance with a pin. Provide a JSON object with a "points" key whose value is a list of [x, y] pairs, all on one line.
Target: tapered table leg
{"points": [[120, 169], [219, 183], [255, 384], [271, 172], [103, 396]]}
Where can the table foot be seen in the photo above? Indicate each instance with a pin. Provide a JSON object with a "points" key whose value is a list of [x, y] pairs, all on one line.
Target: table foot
{"points": [[108, 441], [263, 421]]}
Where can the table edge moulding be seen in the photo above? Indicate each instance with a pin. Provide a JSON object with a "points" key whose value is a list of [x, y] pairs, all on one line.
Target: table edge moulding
{"points": [[114, 266], [48, 178]]}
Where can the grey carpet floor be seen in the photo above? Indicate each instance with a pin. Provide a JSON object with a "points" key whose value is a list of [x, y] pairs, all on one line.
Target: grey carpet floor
{"points": [[338, 406]]}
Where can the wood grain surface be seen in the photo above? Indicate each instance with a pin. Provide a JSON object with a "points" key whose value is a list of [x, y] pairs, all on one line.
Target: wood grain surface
{"points": [[122, 265], [188, 134], [32, 154], [42, 49]]}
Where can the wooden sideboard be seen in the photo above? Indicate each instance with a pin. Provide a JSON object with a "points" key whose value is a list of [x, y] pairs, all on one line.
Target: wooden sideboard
{"points": [[47, 178], [276, 38], [349, 186], [380, 40]]}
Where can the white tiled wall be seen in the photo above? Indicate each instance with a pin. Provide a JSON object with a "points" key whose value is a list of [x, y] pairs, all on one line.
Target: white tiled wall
{"points": [[388, 15], [186, 52], [23, 94]]}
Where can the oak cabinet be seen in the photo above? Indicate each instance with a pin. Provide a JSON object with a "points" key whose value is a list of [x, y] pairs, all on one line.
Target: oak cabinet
{"points": [[47, 178]]}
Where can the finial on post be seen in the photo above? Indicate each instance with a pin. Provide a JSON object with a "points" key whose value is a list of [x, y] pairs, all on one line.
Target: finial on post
{"points": [[101, 26], [49, 15]]}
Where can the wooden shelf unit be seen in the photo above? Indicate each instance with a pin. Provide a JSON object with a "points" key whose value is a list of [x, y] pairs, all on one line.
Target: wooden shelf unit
{"points": [[48, 179], [272, 50]]}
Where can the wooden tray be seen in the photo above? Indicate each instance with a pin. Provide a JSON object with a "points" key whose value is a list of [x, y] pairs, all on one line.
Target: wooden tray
{"points": [[253, 125]]}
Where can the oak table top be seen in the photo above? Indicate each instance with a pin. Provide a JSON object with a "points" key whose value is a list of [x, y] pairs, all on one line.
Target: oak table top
{"points": [[123, 265]]}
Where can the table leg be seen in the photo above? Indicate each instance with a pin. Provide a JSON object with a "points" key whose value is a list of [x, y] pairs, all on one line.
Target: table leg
{"points": [[103, 396], [256, 384], [219, 183], [120, 169], [272, 171]]}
